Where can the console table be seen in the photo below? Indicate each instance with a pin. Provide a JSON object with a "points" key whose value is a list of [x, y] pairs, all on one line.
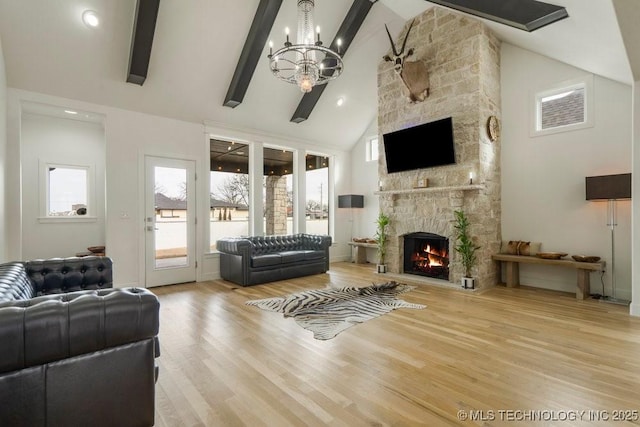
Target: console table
{"points": [[361, 250], [512, 263]]}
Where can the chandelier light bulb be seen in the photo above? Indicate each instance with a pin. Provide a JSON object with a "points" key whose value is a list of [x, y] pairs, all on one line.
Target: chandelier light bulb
{"points": [[306, 84]]}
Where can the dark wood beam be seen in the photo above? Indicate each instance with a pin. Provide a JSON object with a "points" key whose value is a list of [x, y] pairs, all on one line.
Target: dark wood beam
{"points": [[527, 15], [254, 44], [347, 32], [144, 26]]}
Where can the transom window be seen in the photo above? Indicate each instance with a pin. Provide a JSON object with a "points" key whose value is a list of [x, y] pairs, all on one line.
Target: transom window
{"points": [[564, 108], [372, 149]]}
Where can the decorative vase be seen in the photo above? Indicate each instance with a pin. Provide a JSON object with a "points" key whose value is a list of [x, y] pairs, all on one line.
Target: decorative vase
{"points": [[382, 268], [468, 283]]}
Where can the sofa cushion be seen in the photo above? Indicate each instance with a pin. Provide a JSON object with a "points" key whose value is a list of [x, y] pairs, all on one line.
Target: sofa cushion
{"points": [[309, 254], [292, 256], [60, 275], [266, 260]]}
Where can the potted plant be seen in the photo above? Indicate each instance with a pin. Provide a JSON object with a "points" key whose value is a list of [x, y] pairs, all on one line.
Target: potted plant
{"points": [[465, 247], [381, 240]]}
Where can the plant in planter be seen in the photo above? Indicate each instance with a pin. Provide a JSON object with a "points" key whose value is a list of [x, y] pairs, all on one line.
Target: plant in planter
{"points": [[381, 240], [465, 247]]}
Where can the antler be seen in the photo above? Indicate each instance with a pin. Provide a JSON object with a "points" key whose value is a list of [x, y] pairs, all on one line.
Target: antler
{"points": [[404, 43], [393, 46]]}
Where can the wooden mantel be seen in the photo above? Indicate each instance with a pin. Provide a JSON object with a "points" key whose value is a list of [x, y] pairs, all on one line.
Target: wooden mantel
{"points": [[468, 187]]}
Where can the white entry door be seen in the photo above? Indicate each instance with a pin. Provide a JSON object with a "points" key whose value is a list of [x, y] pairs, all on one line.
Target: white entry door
{"points": [[170, 219]]}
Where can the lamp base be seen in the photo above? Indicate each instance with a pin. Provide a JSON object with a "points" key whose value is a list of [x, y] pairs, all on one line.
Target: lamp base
{"points": [[613, 300]]}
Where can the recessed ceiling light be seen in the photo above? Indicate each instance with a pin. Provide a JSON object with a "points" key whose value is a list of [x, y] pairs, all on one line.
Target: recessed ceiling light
{"points": [[71, 112], [340, 101], [90, 18]]}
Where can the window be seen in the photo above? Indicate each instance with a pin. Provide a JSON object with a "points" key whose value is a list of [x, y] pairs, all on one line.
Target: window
{"points": [[318, 197], [372, 149], [66, 192], [564, 108], [229, 190], [277, 184]]}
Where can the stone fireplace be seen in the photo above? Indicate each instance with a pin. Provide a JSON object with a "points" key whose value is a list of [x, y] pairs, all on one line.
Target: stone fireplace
{"points": [[426, 254], [463, 59]]}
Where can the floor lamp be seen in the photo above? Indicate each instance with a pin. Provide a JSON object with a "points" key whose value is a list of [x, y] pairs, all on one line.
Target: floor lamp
{"points": [[351, 201], [610, 188]]}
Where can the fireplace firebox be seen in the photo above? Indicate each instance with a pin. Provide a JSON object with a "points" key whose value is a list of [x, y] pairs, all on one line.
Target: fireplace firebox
{"points": [[426, 254]]}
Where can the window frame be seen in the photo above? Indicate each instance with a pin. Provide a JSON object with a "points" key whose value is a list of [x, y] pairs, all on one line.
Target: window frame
{"points": [[369, 152], [585, 83], [45, 195]]}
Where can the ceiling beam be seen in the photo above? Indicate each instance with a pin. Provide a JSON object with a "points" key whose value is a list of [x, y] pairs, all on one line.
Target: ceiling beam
{"points": [[254, 44], [347, 32], [527, 15], [144, 27]]}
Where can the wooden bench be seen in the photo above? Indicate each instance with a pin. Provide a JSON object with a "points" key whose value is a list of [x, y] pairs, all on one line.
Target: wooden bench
{"points": [[512, 264], [361, 251]]}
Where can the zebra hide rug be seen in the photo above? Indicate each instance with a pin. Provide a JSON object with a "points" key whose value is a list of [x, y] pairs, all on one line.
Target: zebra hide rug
{"points": [[327, 312]]}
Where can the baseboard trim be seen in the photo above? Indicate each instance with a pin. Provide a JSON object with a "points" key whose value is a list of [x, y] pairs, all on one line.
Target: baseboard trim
{"points": [[634, 309], [211, 276]]}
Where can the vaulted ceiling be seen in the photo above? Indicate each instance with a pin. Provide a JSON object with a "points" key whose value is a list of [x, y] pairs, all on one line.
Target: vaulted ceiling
{"points": [[197, 44]]}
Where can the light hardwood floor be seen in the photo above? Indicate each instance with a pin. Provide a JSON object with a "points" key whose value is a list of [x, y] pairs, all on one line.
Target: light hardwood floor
{"points": [[224, 363]]}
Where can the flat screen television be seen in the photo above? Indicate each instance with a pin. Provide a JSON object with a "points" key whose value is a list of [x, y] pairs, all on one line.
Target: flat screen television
{"points": [[419, 147]]}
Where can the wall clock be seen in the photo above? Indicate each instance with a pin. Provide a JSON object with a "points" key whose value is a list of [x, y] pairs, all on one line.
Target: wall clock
{"points": [[493, 128]]}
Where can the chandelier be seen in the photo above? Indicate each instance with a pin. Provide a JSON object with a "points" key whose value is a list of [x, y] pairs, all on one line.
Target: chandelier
{"points": [[306, 63]]}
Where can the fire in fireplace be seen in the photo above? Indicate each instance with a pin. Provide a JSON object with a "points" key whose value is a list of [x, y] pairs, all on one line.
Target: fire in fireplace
{"points": [[426, 254]]}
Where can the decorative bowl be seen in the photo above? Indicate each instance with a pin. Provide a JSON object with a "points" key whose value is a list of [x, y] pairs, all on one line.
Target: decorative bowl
{"points": [[585, 258], [551, 255], [96, 249]]}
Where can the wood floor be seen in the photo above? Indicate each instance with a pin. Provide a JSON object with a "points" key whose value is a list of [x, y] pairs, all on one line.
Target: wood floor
{"points": [[501, 356]]}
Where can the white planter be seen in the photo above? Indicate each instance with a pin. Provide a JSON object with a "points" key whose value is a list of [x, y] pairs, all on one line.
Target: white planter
{"points": [[468, 282], [382, 268]]}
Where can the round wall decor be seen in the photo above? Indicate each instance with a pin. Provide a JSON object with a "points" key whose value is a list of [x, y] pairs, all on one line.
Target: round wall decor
{"points": [[493, 128]]}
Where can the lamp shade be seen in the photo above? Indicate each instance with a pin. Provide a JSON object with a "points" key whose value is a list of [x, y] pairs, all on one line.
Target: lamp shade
{"points": [[607, 187], [351, 201]]}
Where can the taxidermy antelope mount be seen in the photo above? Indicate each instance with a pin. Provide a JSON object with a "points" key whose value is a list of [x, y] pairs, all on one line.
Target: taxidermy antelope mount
{"points": [[413, 74]]}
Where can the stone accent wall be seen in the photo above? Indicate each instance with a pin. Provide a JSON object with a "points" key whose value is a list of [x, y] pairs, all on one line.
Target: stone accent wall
{"points": [[276, 205], [463, 59]]}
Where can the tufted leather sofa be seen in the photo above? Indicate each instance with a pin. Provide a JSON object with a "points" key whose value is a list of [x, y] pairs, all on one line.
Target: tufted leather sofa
{"points": [[260, 259], [73, 350]]}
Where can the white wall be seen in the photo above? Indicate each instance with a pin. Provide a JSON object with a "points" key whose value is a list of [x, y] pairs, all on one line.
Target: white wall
{"points": [[364, 180], [3, 155], [129, 136], [543, 193], [47, 139]]}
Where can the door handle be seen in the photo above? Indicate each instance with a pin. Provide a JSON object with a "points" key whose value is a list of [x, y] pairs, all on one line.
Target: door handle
{"points": [[151, 228]]}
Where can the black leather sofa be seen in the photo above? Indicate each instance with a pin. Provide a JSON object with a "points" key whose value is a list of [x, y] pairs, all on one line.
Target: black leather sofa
{"points": [[260, 259], [73, 350]]}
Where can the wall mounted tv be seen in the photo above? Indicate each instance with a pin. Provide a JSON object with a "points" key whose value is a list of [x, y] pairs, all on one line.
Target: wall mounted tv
{"points": [[434, 141]]}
